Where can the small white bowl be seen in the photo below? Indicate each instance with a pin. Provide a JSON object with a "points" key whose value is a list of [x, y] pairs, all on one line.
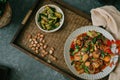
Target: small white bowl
{"points": [[41, 10]]}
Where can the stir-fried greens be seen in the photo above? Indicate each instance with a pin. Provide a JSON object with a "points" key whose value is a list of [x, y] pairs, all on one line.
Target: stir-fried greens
{"points": [[90, 53], [49, 19]]}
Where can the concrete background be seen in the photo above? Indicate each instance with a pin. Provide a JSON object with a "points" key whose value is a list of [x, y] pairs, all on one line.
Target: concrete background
{"points": [[22, 66]]}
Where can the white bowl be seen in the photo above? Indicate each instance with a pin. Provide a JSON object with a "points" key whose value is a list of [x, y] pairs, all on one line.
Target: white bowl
{"points": [[41, 10]]}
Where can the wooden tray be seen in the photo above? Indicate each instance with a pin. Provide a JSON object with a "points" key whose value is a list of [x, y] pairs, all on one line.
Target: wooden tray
{"points": [[73, 19]]}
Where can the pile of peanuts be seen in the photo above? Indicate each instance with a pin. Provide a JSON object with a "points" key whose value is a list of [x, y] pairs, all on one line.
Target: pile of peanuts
{"points": [[38, 46]]}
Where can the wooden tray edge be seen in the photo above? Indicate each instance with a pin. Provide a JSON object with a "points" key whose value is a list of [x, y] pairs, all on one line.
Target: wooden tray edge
{"points": [[42, 61], [85, 15]]}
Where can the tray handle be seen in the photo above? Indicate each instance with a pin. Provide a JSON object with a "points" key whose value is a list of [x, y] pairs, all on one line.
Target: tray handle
{"points": [[33, 8], [26, 17]]}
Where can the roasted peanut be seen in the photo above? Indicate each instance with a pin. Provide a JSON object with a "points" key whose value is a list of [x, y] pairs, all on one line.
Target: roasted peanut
{"points": [[36, 51], [46, 53], [42, 36], [34, 39], [43, 51], [42, 55], [38, 34], [29, 36], [45, 46], [33, 48], [30, 40], [48, 61], [41, 44], [41, 48], [52, 48], [36, 48], [53, 57], [43, 41], [50, 51], [38, 45], [34, 45]]}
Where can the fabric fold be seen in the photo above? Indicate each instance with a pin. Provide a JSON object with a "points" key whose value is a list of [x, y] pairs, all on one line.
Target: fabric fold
{"points": [[108, 17]]}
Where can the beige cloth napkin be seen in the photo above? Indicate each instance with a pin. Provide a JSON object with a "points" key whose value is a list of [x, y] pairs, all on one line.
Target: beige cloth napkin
{"points": [[108, 17]]}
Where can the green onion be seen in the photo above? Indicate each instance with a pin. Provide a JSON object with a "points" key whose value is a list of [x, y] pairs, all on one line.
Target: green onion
{"points": [[72, 62], [77, 47], [71, 50], [86, 69], [102, 53], [94, 40]]}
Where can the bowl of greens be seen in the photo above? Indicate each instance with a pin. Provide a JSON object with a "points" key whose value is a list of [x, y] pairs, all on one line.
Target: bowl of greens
{"points": [[49, 18]]}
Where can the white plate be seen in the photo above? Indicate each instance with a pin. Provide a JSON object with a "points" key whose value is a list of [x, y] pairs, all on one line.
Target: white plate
{"points": [[42, 9], [72, 36]]}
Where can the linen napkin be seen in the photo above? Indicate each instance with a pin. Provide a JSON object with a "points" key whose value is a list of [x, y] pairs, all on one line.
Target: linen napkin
{"points": [[109, 18]]}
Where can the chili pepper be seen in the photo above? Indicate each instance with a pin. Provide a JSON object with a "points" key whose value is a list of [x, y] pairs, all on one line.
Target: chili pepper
{"points": [[72, 45], [72, 58], [119, 50], [108, 50], [109, 43], [117, 42], [84, 34]]}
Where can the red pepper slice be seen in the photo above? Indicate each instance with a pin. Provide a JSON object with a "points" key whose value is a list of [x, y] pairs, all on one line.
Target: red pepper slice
{"points": [[109, 43], [108, 50], [119, 50], [72, 58], [84, 34], [117, 42], [72, 45]]}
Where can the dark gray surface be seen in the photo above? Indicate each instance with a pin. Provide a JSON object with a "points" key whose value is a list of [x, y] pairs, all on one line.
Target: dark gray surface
{"points": [[22, 66]]}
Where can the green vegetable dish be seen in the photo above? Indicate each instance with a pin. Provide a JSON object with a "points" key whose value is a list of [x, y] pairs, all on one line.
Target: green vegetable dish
{"points": [[49, 18]]}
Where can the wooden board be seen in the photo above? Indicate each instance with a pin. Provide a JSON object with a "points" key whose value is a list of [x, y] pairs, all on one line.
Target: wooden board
{"points": [[73, 19]]}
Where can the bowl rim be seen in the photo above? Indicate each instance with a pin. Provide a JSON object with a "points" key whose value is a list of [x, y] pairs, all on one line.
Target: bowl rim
{"points": [[58, 9]]}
